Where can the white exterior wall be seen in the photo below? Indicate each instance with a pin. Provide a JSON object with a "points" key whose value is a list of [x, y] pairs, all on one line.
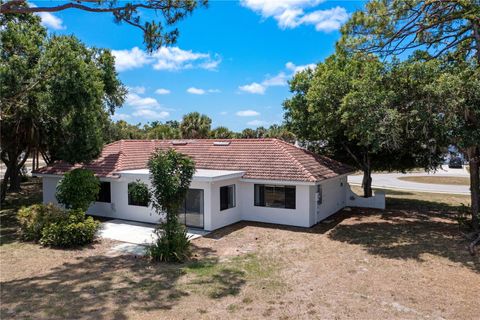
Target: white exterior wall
{"points": [[333, 197], [377, 201], [336, 195], [300, 216], [216, 218], [49, 189]]}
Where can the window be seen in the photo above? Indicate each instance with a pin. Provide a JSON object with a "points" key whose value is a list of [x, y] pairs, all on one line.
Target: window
{"points": [[227, 197], [319, 194], [275, 196], [104, 194], [138, 194]]}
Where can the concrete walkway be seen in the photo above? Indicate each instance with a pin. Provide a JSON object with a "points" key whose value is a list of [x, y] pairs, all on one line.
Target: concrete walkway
{"points": [[136, 235], [391, 181]]}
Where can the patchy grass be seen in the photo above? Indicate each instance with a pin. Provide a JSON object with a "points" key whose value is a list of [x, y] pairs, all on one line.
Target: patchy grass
{"points": [[461, 181], [406, 262]]}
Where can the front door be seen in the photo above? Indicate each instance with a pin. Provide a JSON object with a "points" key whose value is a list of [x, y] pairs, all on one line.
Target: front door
{"points": [[191, 212]]}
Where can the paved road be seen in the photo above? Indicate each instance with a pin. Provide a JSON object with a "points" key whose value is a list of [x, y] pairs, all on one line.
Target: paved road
{"points": [[391, 181]]}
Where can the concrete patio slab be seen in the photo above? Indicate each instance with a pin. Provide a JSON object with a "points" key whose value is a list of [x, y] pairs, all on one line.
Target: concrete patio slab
{"points": [[136, 232]]}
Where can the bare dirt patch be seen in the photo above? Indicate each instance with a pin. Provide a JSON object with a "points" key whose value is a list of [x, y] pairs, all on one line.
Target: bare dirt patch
{"points": [[461, 181], [406, 262]]}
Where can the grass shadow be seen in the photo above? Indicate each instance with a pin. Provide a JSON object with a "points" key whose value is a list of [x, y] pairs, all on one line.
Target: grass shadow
{"points": [[97, 287], [408, 229]]}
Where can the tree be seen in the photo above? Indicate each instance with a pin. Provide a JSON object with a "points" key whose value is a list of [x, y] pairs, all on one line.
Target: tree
{"points": [[221, 133], [195, 126], [56, 96], [170, 175], [458, 89], [78, 189], [162, 131], [278, 132], [156, 33], [352, 108], [248, 134], [443, 29]]}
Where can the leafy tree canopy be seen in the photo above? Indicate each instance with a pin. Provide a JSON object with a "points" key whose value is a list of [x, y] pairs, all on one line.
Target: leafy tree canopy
{"points": [[56, 95], [156, 33]]}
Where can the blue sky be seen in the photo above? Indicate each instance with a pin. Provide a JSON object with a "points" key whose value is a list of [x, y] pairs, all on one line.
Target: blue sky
{"points": [[232, 60]]}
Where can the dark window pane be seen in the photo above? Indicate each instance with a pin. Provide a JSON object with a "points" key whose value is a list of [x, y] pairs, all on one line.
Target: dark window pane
{"points": [[290, 197], [104, 195], [227, 197], [259, 195], [274, 196]]}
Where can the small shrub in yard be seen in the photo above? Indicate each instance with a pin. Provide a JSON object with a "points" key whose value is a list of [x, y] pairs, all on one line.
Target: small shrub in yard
{"points": [[78, 189], [53, 226], [173, 248], [33, 219], [76, 230]]}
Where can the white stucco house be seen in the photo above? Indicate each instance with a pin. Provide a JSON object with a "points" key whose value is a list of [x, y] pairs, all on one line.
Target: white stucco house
{"points": [[264, 180]]}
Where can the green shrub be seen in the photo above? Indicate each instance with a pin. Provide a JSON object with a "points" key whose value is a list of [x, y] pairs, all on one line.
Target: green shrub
{"points": [[78, 189], [53, 226], [174, 247], [76, 230], [33, 219]]}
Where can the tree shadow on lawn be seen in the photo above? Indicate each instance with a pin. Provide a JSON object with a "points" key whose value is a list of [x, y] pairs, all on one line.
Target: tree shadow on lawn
{"points": [[407, 229], [30, 194], [100, 287]]}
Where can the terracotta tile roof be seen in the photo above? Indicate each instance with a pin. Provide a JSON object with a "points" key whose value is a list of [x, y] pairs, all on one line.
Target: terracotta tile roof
{"points": [[268, 159]]}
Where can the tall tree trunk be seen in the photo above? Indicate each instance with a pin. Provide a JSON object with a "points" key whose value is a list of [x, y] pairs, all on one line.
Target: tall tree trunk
{"points": [[474, 162], [6, 177], [367, 176], [367, 183], [15, 174]]}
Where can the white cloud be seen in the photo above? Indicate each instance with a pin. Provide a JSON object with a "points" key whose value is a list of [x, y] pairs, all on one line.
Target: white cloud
{"points": [[151, 114], [255, 88], [326, 20], [293, 13], [247, 113], [295, 69], [136, 90], [166, 58], [137, 101], [130, 59], [194, 90], [278, 80], [223, 113], [51, 21], [121, 116], [162, 91], [257, 123], [260, 88]]}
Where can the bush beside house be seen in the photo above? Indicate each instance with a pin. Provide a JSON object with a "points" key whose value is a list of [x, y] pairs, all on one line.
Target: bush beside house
{"points": [[54, 226], [58, 227]]}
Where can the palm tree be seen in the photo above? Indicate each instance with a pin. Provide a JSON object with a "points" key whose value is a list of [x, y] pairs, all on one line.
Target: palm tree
{"points": [[221, 133], [195, 126]]}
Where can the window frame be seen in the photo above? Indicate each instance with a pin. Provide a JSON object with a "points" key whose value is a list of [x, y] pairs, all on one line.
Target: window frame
{"points": [[261, 201], [129, 199], [234, 196], [101, 191]]}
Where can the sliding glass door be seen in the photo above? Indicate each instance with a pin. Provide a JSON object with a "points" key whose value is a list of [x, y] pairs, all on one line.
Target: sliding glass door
{"points": [[191, 212]]}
